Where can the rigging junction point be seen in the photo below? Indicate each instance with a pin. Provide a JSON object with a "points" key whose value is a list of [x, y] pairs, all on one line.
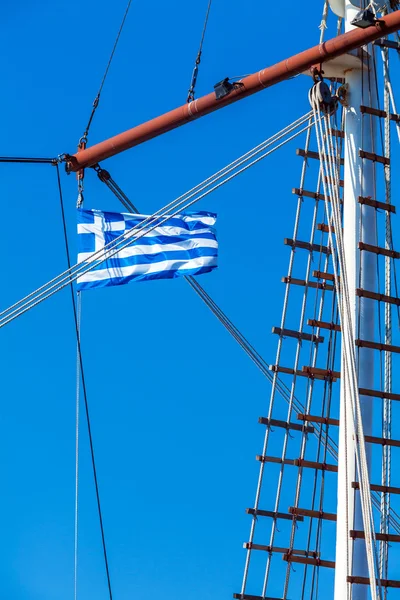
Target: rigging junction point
{"points": [[294, 65]]}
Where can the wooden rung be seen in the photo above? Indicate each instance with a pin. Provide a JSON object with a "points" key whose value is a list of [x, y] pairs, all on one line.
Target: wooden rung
{"points": [[311, 154], [299, 335], [313, 374], [382, 205], [306, 246], [311, 284], [322, 275], [387, 489], [280, 369], [309, 561], [379, 394], [316, 373], [372, 111], [371, 439], [374, 157], [317, 514], [365, 581], [285, 425], [387, 44], [298, 462], [324, 325], [379, 113], [381, 537], [330, 180], [252, 546], [368, 438], [378, 250], [380, 297], [378, 346], [270, 513], [317, 419], [336, 133], [326, 228], [251, 597], [308, 194]]}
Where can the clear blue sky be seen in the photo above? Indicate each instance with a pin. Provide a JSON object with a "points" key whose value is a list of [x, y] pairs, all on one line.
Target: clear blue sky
{"points": [[174, 401]]}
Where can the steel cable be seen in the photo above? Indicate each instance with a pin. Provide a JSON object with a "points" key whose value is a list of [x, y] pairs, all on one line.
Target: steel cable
{"points": [[109, 250], [86, 404]]}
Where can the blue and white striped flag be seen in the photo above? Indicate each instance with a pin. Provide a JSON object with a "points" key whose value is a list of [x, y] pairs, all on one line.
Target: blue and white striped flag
{"points": [[184, 245]]}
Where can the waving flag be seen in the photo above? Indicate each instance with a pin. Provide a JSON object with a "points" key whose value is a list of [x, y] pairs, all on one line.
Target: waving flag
{"points": [[184, 245]]}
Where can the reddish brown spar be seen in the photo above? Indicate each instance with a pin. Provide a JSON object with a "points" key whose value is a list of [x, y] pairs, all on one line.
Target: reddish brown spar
{"points": [[299, 63]]}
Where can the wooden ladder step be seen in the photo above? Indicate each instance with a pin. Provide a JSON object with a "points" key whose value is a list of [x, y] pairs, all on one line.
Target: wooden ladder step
{"points": [[379, 250], [323, 325], [379, 394], [316, 373], [380, 297], [311, 154], [298, 462], [381, 537], [312, 373], [382, 205], [330, 564], [329, 421], [330, 180], [371, 439], [326, 228], [322, 275], [336, 133], [379, 113], [365, 581], [311, 284], [251, 597], [252, 546], [285, 425], [308, 194], [314, 514], [299, 335], [374, 157], [306, 246], [387, 489], [273, 514], [378, 346], [317, 419]]}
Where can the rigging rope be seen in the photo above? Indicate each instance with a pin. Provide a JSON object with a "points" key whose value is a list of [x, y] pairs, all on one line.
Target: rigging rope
{"points": [[149, 223], [327, 158], [77, 407], [195, 73], [82, 378], [18, 159], [96, 101], [387, 404], [258, 360]]}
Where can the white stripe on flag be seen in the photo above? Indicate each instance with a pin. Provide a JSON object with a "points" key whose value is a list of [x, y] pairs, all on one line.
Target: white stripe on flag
{"points": [[137, 249], [165, 265]]}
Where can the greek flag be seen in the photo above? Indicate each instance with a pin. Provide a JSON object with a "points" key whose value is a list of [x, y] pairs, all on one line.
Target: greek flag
{"points": [[186, 244]]}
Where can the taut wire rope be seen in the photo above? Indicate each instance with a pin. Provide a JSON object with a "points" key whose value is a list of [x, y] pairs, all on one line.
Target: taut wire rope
{"points": [[96, 101], [147, 225], [83, 382], [195, 72], [327, 162]]}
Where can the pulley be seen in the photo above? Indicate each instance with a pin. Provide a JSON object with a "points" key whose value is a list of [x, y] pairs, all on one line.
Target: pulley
{"points": [[320, 97]]}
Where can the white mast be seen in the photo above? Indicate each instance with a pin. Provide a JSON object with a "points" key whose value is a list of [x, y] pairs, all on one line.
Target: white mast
{"points": [[358, 224]]}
